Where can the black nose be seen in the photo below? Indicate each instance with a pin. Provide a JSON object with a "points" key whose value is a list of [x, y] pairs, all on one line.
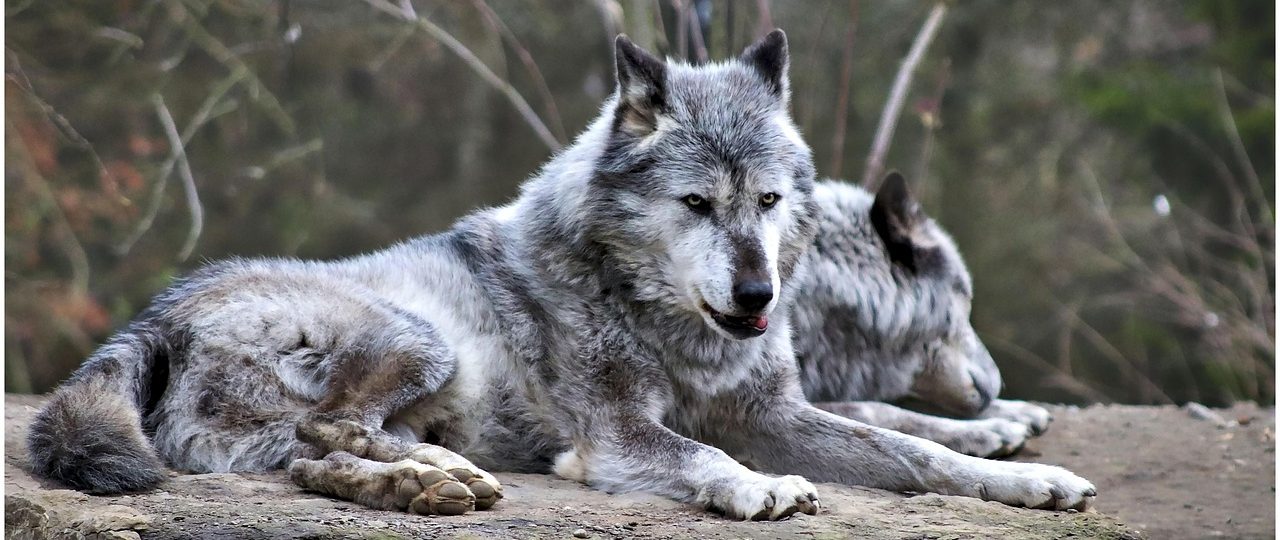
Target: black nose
{"points": [[752, 295]]}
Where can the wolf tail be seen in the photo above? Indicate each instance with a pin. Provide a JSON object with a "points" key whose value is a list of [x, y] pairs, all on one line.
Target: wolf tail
{"points": [[89, 435]]}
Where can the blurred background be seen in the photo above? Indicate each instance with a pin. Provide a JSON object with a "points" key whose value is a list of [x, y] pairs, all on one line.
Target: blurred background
{"points": [[1106, 167]]}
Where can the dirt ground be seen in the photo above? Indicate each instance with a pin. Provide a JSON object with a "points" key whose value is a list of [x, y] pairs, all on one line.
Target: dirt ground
{"points": [[1160, 471], [1165, 472]]}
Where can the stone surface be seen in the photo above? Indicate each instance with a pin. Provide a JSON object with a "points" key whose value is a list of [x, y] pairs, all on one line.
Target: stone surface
{"points": [[269, 506]]}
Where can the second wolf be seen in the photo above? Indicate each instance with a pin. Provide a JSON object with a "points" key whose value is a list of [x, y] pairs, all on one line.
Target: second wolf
{"points": [[623, 322], [882, 315]]}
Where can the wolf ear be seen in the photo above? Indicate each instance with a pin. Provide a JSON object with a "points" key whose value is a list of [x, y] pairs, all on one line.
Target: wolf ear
{"points": [[898, 221], [770, 58], [642, 88]]}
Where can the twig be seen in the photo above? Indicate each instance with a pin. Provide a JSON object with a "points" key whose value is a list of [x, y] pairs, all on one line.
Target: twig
{"points": [[931, 120], [898, 95], [179, 152], [807, 103], [1055, 375], [476, 65], [61, 123], [220, 52], [766, 18], [208, 110], [842, 100], [682, 29], [70, 243], [1237, 146], [530, 66], [695, 30]]}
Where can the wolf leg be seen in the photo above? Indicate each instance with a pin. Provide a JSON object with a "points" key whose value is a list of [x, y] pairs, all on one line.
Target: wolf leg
{"points": [[1035, 417], [354, 438], [404, 485], [407, 366], [989, 437], [772, 426]]}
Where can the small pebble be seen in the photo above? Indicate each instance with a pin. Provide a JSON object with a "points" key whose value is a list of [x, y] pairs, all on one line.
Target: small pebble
{"points": [[581, 533]]}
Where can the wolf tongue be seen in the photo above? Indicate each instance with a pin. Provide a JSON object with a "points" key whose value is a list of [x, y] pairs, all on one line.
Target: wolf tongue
{"points": [[760, 323]]}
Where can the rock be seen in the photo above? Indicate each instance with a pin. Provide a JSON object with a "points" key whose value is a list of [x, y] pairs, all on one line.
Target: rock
{"points": [[1200, 412], [268, 505]]}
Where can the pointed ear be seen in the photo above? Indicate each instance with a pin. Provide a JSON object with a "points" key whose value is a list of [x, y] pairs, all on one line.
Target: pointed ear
{"points": [[770, 58], [642, 88], [897, 218]]}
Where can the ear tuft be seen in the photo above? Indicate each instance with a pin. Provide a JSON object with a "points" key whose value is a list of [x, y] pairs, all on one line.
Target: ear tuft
{"points": [[770, 58], [642, 88], [896, 216]]}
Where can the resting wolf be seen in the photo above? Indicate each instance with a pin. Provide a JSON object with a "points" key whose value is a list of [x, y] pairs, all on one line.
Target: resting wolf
{"points": [[624, 322], [882, 314]]}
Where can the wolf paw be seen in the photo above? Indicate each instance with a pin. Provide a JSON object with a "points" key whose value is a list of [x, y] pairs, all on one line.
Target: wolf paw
{"points": [[1037, 486], [484, 486], [406, 485], [991, 437], [765, 498], [1035, 417], [430, 491]]}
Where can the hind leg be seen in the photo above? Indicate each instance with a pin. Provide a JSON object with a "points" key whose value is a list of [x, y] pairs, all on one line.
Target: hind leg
{"points": [[986, 437], [408, 371], [379, 450], [404, 485]]}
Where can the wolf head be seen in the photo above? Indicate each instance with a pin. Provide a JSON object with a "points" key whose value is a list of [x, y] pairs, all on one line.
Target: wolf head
{"points": [[884, 311], [702, 195]]}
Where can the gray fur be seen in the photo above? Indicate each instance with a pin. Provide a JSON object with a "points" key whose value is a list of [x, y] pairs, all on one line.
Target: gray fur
{"points": [[593, 323], [869, 328]]}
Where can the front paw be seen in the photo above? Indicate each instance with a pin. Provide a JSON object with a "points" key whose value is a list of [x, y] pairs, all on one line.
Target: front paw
{"points": [[759, 497], [1038, 486], [987, 438], [1035, 417]]}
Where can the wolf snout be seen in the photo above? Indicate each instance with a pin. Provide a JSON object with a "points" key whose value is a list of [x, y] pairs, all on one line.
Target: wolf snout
{"points": [[753, 295]]}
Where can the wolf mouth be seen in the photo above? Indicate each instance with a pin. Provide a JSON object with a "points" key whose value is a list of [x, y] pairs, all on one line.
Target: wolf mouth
{"points": [[739, 326]]}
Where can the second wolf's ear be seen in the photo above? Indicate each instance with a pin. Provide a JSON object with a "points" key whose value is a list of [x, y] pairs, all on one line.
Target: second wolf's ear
{"points": [[642, 88], [899, 222], [770, 58]]}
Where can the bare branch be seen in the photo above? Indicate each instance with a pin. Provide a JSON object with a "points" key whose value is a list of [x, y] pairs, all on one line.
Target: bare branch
{"points": [[842, 100], [695, 30], [220, 52], [476, 65], [1237, 146], [61, 123], [682, 29], [898, 95], [766, 18], [208, 110], [179, 153], [71, 245], [530, 66]]}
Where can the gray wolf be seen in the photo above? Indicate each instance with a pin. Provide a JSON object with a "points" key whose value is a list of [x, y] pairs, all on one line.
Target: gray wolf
{"points": [[882, 315], [624, 323]]}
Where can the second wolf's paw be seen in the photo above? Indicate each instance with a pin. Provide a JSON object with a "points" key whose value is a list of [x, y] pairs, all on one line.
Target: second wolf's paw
{"points": [[1035, 417], [761, 497], [1038, 486], [990, 437]]}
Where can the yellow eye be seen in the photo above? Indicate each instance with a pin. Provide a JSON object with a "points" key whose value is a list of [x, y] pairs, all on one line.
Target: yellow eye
{"points": [[768, 199], [695, 201]]}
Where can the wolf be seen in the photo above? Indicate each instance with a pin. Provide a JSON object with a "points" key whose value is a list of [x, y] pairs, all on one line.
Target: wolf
{"points": [[624, 322], [882, 315]]}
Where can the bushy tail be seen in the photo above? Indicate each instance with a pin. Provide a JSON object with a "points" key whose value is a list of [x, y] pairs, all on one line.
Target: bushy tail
{"points": [[89, 435]]}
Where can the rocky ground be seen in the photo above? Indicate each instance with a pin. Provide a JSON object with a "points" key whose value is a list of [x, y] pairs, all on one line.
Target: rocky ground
{"points": [[1162, 472]]}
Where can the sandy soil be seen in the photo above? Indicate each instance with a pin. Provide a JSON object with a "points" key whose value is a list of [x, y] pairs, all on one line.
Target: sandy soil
{"points": [[1158, 470], [1168, 473]]}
